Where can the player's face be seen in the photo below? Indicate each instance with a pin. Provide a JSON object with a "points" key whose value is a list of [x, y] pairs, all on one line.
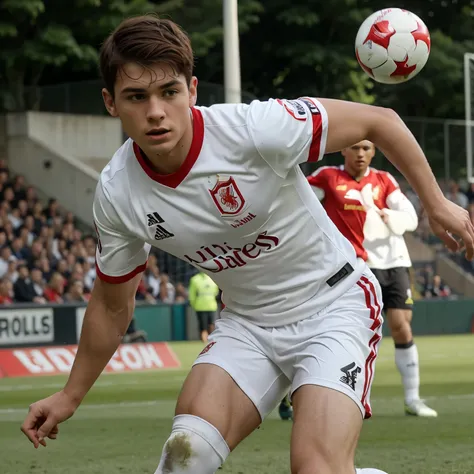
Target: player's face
{"points": [[357, 158], [153, 105]]}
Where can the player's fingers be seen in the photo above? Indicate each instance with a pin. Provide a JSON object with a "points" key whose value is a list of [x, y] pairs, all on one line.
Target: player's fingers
{"points": [[46, 428], [448, 240], [53, 434], [29, 427], [31, 435], [468, 239]]}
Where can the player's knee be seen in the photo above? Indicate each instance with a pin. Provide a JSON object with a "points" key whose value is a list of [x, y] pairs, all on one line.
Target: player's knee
{"points": [[194, 446], [401, 331]]}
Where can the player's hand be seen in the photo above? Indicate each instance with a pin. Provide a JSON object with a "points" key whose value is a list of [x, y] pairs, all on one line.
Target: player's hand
{"points": [[448, 221], [45, 415]]}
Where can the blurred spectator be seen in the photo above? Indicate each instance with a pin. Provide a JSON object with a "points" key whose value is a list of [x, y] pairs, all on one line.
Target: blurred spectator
{"points": [[470, 193], [23, 288], [19, 187], [30, 225], [75, 293], [12, 272], [153, 279], [143, 292], [6, 291], [89, 274], [32, 199], [19, 250], [38, 281], [167, 291], [89, 244], [52, 211], [181, 293], [37, 252], [9, 196], [55, 289], [436, 288], [5, 256], [44, 265], [9, 230], [454, 194]]}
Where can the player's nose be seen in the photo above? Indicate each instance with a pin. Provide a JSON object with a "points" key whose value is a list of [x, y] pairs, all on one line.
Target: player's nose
{"points": [[155, 110]]}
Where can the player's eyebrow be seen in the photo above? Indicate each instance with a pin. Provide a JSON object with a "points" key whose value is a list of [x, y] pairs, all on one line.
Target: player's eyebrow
{"points": [[141, 90]]}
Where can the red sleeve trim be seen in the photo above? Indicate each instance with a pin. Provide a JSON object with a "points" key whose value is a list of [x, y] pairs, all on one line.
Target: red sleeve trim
{"points": [[317, 119], [315, 148], [122, 278]]}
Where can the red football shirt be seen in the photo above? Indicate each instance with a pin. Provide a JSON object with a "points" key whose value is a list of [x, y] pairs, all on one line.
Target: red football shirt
{"points": [[343, 199]]}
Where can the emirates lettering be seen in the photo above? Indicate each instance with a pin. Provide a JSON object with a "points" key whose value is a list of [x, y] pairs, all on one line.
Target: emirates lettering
{"points": [[231, 257]]}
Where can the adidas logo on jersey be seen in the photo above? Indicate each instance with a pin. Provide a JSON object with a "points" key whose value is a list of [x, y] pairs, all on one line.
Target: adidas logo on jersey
{"points": [[154, 219], [160, 232]]}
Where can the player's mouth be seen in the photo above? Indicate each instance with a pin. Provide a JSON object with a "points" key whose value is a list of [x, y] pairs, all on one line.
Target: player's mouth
{"points": [[158, 134]]}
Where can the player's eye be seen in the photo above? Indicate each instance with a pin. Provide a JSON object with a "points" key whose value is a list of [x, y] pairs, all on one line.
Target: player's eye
{"points": [[136, 97], [170, 92]]}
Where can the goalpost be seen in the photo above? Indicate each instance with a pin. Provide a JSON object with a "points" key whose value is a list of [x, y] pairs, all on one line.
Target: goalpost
{"points": [[468, 101]]}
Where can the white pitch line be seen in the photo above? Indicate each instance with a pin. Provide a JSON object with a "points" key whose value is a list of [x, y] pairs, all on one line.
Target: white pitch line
{"points": [[151, 403], [104, 383]]}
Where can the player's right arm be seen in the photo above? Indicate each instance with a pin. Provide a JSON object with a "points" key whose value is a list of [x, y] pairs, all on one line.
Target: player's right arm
{"points": [[120, 261]]}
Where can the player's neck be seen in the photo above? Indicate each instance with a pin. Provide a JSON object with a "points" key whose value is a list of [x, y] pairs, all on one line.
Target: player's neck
{"points": [[357, 175]]}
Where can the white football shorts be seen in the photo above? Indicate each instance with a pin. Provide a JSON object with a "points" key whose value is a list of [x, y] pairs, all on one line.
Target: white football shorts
{"points": [[336, 348]]}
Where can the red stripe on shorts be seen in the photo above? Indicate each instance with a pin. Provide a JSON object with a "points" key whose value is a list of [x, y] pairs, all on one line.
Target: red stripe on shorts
{"points": [[375, 310]]}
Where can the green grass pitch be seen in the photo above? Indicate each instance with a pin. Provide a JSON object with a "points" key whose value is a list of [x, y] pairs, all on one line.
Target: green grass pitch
{"points": [[126, 418]]}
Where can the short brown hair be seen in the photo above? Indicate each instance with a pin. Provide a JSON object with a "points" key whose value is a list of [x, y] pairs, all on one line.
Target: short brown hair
{"points": [[145, 40]]}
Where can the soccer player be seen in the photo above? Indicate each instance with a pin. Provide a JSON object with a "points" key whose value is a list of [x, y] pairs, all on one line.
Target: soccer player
{"points": [[369, 209], [221, 188], [202, 298]]}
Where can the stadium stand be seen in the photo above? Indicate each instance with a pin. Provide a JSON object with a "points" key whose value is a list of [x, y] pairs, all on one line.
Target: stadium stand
{"points": [[46, 256]]}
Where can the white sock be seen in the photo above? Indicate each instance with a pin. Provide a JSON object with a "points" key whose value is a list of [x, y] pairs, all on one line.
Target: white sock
{"points": [[369, 471], [406, 360]]}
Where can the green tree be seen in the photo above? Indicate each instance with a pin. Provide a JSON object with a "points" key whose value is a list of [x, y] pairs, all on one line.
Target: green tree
{"points": [[37, 35], [307, 47]]}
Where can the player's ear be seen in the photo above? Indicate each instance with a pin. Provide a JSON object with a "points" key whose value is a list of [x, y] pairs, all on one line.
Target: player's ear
{"points": [[193, 91], [109, 102]]}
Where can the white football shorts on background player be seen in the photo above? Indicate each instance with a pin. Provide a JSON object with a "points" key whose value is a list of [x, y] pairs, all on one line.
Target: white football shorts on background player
{"points": [[335, 348]]}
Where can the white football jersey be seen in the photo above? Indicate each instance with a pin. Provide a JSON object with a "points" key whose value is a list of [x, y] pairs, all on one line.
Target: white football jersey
{"points": [[239, 209]]}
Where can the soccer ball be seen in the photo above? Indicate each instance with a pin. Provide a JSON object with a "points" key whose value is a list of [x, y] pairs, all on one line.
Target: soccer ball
{"points": [[392, 45]]}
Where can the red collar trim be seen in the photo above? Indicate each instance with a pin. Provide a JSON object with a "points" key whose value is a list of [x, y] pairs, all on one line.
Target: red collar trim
{"points": [[173, 180]]}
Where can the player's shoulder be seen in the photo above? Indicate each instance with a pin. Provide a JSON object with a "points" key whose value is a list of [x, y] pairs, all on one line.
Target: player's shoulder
{"points": [[223, 115], [327, 171], [257, 112], [383, 177], [115, 176]]}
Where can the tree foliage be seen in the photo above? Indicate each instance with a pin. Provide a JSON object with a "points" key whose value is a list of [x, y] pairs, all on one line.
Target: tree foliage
{"points": [[287, 48]]}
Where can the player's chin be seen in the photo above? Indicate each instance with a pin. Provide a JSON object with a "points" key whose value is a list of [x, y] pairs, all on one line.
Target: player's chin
{"points": [[162, 148]]}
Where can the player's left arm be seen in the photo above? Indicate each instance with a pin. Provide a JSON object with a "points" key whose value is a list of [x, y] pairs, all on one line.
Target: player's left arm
{"points": [[350, 122]]}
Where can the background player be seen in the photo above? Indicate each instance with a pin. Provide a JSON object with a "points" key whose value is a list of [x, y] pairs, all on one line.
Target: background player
{"points": [[202, 298], [369, 209], [226, 193]]}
